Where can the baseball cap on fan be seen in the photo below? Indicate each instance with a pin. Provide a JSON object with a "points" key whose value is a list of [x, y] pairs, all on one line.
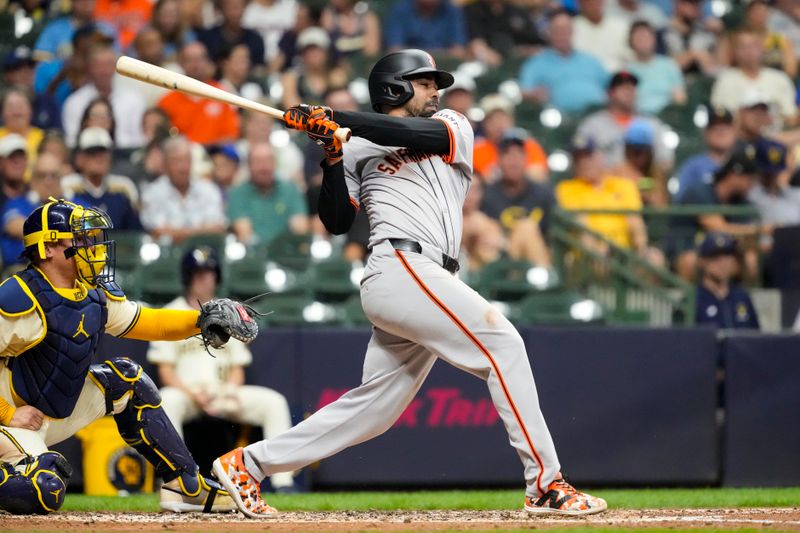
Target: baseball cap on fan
{"points": [[770, 156], [582, 145], [12, 143], [716, 244], [718, 115], [19, 57], [496, 102], [640, 133], [621, 78], [95, 138], [228, 150], [752, 98], [462, 83], [313, 36], [513, 137], [741, 161]]}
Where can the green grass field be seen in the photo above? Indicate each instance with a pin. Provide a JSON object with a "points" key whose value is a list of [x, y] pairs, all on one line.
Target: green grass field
{"points": [[474, 499]]}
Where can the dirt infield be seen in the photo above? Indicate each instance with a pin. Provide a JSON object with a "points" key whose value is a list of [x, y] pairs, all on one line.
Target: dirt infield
{"points": [[784, 519]]}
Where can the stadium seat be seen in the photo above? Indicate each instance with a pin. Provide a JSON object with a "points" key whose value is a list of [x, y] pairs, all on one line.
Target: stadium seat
{"points": [[505, 280], [330, 281], [557, 307], [160, 281], [127, 249], [284, 309], [291, 251], [679, 117], [212, 240], [353, 313], [130, 282], [246, 278], [698, 90], [690, 143]]}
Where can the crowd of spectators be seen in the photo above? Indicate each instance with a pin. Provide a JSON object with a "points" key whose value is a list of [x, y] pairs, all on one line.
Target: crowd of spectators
{"points": [[176, 166]]}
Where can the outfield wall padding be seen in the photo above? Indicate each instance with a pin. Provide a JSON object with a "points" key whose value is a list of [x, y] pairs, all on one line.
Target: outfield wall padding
{"points": [[624, 406], [762, 410]]}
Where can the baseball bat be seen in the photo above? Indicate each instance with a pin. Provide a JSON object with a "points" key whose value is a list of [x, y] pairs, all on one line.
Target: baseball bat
{"points": [[161, 77]]}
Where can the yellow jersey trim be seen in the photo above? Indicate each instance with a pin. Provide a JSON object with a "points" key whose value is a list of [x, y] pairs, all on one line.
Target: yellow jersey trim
{"points": [[133, 322], [76, 294]]}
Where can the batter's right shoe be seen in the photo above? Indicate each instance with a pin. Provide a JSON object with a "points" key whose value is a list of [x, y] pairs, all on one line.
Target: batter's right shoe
{"points": [[563, 498], [241, 486]]}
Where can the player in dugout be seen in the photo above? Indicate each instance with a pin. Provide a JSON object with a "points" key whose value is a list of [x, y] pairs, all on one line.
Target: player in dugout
{"points": [[52, 316]]}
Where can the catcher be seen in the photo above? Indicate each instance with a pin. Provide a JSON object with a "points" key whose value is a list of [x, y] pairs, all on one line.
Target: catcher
{"points": [[52, 315]]}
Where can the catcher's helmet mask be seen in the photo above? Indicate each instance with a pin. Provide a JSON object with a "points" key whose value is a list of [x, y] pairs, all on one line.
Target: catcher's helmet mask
{"points": [[389, 80], [87, 228]]}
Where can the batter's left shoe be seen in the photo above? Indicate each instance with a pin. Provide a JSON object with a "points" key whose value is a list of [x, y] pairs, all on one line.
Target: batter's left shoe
{"points": [[195, 494], [563, 498], [243, 488]]}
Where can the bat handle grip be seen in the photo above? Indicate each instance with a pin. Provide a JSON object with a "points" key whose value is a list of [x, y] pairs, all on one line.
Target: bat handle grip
{"points": [[343, 134]]}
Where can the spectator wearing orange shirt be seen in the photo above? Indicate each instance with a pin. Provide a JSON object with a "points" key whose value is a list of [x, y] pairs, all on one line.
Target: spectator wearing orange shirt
{"points": [[126, 16], [201, 120], [499, 118]]}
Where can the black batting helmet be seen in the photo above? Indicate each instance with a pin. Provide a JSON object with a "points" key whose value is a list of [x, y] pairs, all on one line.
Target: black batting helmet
{"points": [[199, 258], [388, 80]]}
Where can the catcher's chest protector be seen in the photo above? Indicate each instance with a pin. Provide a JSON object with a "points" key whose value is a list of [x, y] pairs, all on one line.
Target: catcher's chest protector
{"points": [[50, 375]]}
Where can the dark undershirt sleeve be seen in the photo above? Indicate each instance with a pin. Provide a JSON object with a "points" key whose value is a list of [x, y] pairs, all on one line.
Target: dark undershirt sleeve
{"points": [[336, 211], [428, 135]]}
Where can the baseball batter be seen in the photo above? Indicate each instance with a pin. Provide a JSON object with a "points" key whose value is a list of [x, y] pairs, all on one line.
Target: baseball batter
{"points": [[410, 168]]}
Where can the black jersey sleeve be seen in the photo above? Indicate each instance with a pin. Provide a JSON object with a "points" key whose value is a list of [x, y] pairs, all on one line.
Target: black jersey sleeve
{"points": [[428, 135], [336, 210]]}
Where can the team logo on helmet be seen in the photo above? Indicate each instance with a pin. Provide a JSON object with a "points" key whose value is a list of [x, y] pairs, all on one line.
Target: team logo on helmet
{"points": [[431, 60]]}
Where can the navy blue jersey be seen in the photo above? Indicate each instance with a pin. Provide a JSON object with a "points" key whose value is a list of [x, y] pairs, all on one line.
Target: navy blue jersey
{"points": [[118, 197], [735, 311]]}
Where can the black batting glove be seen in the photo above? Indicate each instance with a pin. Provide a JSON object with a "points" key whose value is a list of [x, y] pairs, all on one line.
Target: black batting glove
{"points": [[296, 117]]}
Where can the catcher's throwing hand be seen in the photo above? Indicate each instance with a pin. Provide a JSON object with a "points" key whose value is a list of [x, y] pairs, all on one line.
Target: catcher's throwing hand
{"points": [[321, 129], [222, 318], [27, 417], [297, 117]]}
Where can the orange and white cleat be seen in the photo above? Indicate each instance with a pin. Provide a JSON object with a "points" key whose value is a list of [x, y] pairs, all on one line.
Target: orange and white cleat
{"points": [[563, 498], [241, 486]]}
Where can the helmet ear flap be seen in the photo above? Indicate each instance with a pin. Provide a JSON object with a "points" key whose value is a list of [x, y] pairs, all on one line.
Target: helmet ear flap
{"points": [[394, 93]]}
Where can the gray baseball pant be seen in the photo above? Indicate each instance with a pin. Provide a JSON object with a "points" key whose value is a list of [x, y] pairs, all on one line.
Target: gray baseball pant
{"points": [[420, 312]]}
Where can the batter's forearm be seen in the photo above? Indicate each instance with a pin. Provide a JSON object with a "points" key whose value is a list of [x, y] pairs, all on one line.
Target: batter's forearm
{"points": [[428, 135], [336, 209], [163, 325]]}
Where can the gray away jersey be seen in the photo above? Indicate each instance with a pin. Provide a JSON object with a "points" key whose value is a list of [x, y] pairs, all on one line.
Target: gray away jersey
{"points": [[409, 194]]}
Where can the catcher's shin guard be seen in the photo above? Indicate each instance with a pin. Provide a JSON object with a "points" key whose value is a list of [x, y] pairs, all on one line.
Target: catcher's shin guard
{"points": [[143, 424], [36, 485]]}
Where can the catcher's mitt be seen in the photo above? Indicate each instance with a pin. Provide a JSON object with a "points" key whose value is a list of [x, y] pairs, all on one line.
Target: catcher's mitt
{"points": [[222, 318]]}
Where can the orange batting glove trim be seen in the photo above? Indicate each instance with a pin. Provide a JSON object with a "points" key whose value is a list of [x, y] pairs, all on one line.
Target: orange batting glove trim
{"points": [[296, 117]]}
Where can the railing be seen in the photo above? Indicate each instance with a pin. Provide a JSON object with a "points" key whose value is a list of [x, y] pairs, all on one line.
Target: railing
{"points": [[631, 287]]}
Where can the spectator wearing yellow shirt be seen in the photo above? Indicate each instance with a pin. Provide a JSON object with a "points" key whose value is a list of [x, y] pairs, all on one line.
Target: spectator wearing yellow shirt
{"points": [[592, 188], [17, 114]]}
